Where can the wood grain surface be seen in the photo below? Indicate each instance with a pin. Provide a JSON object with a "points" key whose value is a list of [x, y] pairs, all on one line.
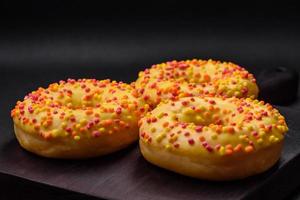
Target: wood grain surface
{"points": [[126, 175]]}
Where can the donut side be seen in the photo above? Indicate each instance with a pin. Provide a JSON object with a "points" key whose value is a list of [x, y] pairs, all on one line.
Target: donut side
{"points": [[214, 168], [212, 137], [78, 118], [64, 148]]}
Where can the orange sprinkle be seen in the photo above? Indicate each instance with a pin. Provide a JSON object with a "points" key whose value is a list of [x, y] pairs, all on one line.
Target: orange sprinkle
{"points": [[249, 148], [238, 148], [166, 124], [206, 77], [228, 151], [89, 112], [228, 146], [202, 138]]}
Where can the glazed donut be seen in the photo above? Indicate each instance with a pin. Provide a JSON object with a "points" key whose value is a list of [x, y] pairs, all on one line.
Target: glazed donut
{"points": [[78, 119], [175, 79], [213, 138]]}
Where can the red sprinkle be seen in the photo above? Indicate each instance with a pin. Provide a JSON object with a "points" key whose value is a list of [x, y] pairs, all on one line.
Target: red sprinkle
{"points": [[96, 133], [191, 141], [184, 103], [199, 128], [186, 134], [119, 111], [211, 101]]}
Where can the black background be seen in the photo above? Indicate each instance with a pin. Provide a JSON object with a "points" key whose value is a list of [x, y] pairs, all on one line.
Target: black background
{"points": [[128, 34], [45, 41]]}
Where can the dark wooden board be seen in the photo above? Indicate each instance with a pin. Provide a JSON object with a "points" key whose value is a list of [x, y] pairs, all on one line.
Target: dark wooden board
{"points": [[126, 175]]}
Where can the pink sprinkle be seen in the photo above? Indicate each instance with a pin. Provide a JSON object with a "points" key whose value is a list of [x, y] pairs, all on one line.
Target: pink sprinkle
{"points": [[209, 148], [211, 101], [119, 110], [218, 146], [30, 109], [96, 120], [199, 128], [69, 130], [245, 91], [184, 103], [73, 119], [153, 85], [240, 109], [96, 133], [254, 133], [265, 113], [191, 141], [269, 127], [90, 124], [204, 144], [183, 66]]}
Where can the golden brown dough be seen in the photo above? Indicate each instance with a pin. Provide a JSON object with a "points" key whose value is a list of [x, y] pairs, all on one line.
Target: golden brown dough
{"points": [[78, 119], [213, 138], [176, 79]]}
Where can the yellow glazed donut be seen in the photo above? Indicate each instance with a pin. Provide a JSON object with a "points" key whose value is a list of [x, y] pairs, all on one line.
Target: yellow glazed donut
{"points": [[78, 119], [175, 79], [213, 138]]}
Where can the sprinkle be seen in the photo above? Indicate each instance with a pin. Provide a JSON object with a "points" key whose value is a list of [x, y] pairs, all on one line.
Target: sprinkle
{"points": [[211, 102], [184, 103], [222, 150], [96, 133], [118, 110], [249, 149], [228, 151], [167, 146], [191, 141], [255, 133], [214, 136], [76, 137], [199, 128], [202, 138], [260, 141], [206, 77], [30, 109], [230, 129], [165, 124], [238, 148], [160, 137], [101, 130]]}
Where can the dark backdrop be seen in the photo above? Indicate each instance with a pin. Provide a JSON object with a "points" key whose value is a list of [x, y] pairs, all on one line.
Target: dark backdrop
{"points": [[127, 34]]}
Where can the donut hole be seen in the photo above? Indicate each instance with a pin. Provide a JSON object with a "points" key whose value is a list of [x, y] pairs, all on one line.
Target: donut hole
{"points": [[87, 94], [203, 118]]}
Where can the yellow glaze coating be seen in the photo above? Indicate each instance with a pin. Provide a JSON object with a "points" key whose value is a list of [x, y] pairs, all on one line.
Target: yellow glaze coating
{"points": [[213, 138], [78, 118], [175, 79]]}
